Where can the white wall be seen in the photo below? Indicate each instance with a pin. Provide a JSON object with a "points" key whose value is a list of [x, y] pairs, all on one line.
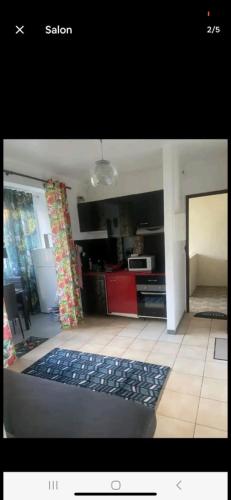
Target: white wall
{"points": [[139, 181], [208, 238], [174, 217], [199, 176], [72, 205], [206, 175]]}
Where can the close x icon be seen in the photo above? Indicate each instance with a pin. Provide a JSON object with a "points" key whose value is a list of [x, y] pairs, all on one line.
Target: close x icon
{"points": [[19, 30]]}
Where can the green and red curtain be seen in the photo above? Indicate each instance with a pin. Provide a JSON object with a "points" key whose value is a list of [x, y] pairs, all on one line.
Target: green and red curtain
{"points": [[70, 306], [9, 355], [20, 237]]}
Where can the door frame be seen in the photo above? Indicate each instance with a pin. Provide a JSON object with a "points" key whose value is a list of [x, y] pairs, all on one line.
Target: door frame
{"points": [[187, 198]]}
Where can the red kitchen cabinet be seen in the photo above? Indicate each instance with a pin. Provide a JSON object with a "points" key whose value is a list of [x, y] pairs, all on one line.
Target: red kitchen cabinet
{"points": [[121, 293]]}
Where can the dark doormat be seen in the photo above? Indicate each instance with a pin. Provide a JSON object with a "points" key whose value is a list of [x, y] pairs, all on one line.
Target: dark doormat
{"points": [[221, 349], [211, 315], [133, 380], [28, 345]]}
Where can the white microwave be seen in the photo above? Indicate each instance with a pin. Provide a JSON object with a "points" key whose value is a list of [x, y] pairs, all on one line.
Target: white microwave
{"points": [[141, 263]]}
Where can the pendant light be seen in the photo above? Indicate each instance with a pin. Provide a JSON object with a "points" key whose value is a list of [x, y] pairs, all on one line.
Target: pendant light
{"points": [[104, 173]]}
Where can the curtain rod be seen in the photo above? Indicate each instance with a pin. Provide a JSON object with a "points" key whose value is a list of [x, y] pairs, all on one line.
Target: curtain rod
{"points": [[9, 172]]}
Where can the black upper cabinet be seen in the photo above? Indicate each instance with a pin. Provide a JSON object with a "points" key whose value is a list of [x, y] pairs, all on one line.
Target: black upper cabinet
{"points": [[90, 216], [110, 218], [148, 209], [121, 216], [85, 216]]}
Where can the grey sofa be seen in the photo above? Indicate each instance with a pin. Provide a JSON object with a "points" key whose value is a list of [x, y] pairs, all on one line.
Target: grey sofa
{"points": [[41, 408]]}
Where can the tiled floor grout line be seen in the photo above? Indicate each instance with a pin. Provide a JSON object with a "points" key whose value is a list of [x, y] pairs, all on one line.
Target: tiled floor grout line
{"points": [[127, 347], [180, 345], [201, 384], [196, 396], [204, 361], [188, 422]]}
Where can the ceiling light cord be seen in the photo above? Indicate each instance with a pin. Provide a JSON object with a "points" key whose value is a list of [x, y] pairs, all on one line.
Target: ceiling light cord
{"points": [[101, 143]]}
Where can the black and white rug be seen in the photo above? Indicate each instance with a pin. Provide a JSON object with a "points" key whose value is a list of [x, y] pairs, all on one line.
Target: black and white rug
{"points": [[211, 315], [133, 380], [28, 345]]}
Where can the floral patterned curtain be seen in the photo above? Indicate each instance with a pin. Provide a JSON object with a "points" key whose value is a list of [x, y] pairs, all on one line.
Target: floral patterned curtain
{"points": [[20, 237], [8, 347], [70, 307]]}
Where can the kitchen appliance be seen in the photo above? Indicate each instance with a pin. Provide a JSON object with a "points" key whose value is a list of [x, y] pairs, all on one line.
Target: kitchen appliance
{"points": [[151, 296], [141, 263], [45, 273]]}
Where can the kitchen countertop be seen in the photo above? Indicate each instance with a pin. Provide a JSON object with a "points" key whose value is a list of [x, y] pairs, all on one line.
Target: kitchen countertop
{"points": [[122, 272]]}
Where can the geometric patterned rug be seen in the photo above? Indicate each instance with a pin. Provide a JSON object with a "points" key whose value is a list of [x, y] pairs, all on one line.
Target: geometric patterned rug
{"points": [[133, 380], [28, 345]]}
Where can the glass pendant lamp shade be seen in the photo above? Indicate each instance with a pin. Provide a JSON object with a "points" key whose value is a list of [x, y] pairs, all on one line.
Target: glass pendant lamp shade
{"points": [[104, 173]]}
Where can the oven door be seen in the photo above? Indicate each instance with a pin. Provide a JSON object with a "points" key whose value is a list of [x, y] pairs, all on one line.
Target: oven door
{"points": [[152, 304]]}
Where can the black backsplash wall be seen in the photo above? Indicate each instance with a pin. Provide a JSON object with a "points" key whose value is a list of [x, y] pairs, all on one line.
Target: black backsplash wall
{"points": [[154, 245], [106, 249], [103, 249]]}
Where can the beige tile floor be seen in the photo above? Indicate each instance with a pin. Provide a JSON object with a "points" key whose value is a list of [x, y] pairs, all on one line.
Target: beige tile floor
{"points": [[194, 400]]}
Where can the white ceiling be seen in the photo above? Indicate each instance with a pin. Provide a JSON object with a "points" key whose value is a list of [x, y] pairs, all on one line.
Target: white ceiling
{"points": [[69, 156]]}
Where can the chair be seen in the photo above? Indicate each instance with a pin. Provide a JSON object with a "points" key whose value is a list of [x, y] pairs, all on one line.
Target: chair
{"points": [[11, 306], [23, 306], [18, 282], [21, 297]]}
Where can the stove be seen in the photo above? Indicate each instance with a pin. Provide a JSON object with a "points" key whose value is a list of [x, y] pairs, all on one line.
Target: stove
{"points": [[151, 296]]}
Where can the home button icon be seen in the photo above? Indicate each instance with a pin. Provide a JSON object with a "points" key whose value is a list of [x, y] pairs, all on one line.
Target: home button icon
{"points": [[116, 485]]}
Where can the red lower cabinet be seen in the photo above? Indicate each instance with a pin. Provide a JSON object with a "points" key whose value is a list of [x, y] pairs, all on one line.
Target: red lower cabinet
{"points": [[121, 293]]}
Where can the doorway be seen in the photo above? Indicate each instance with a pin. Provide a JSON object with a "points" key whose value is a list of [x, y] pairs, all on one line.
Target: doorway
{"points": [[206, 252]]}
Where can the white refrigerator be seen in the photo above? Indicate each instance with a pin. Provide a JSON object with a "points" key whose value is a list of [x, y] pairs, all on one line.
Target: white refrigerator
{"points": [[44, 265]]}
